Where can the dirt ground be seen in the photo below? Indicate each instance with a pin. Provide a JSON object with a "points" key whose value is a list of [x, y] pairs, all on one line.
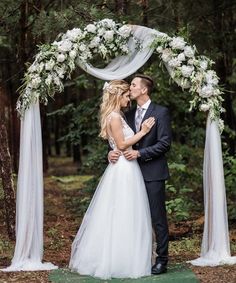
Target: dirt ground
{"points": [[63, 195]]}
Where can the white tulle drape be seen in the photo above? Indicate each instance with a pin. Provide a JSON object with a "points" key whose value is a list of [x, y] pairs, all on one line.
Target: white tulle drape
{"points": [[29, 207], [124, 66], [215, 248], [29, 232]]}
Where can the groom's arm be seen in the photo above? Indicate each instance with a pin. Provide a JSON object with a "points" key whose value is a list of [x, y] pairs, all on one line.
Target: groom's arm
{"points": [[163, 138]]}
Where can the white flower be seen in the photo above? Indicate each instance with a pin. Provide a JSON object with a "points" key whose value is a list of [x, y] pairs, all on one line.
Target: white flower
{"points": [[124, 31], [203, 64], [177, 43], [72, 54], [189, 51], [211, 77], [108, 36], [73, 34], [204, 107], [174, 62], [190, 62], [48, 80], [186, 71], [206, 91], [125, 49], [95, 42], [36, 80], [91, 28], [108, 22], [166, 55], [49, 65], [82, 47], [101, 31], [181, 57], [61, 58], [33, 68], [65, 46], [159, 49]]}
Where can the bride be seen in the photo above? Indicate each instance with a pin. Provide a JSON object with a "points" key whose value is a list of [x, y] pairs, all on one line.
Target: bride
{"points": [[115, 237]]}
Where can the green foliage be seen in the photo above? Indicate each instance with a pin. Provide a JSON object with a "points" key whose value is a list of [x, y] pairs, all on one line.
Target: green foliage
{"points": [[230, 181], [184, 188]]}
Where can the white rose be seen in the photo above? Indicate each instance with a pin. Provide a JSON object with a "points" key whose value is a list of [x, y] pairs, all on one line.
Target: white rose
{"points": [[166, 55], [181, 57], [203, 64], [174, 63], [206, 91], [188, 51], [211, 77], [177, 43], [95, 42], [124, 31], [108, 36], [159, 49], [49, 65], [125, 49], [82, 47], [91, 28], [72, 54], [65, 46], [73, 34], [101, 31], [186, 71], [35, 82], [204, 107], [108, 22], [61, 58], [190, 62]]}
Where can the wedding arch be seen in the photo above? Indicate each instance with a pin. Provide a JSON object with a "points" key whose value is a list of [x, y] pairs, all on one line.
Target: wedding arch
{"points": [[127, 47]]}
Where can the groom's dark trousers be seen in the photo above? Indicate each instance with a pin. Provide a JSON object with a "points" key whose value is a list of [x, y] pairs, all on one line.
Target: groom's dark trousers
{"points": [[153, 164]]}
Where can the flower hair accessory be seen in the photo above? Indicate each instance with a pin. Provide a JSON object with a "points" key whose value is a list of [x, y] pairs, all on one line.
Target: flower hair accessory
{"points": [[105, 86]]}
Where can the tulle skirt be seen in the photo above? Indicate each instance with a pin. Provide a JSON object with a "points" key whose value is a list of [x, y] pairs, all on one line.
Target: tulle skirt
{"points": [[115, 237]]}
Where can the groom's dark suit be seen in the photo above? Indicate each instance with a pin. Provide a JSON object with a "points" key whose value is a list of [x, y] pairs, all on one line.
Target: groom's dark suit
{"points": [[152, 148]]}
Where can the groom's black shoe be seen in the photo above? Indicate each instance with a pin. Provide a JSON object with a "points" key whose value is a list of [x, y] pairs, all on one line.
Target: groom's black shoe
{"points": [[159, 268]]}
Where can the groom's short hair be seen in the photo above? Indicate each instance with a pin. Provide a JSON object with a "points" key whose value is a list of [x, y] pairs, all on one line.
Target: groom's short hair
{"points": [[147, 81]]}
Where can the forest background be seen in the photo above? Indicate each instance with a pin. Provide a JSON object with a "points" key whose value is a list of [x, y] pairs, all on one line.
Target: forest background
{"points": [[70, 126]]}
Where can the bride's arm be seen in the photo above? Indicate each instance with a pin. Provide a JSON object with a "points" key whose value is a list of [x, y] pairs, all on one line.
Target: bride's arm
{"points": [[117, 133]]}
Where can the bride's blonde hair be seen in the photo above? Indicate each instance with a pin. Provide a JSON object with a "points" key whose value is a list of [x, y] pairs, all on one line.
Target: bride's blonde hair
{"points": [[111, 98]]}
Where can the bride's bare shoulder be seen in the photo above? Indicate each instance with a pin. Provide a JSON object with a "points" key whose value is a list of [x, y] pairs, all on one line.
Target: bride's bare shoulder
{"points": [[114, 116]]}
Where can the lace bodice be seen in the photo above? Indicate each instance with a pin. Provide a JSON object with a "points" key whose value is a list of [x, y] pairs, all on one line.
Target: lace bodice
{"points": [[127, 131]]}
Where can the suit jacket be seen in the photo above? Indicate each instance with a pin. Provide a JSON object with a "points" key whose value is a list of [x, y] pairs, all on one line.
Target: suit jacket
{"points": [[155, 144]]}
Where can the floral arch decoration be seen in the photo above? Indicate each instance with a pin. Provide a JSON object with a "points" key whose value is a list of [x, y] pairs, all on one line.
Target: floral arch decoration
{"points": [[125, 46], [55, 62]]}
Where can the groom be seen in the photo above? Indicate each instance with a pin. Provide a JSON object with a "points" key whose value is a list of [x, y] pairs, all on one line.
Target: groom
{"points": [[150, 153]]}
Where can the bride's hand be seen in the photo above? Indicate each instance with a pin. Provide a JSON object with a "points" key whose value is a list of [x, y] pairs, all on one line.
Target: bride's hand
{"points": [[147, 125]]}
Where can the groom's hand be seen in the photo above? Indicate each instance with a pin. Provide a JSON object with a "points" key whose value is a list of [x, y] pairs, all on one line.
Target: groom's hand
{"points": [[114, 155], [131, 154]]}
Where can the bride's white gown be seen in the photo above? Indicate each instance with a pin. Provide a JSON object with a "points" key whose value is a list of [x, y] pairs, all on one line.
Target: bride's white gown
{"points": [[115, 237]]}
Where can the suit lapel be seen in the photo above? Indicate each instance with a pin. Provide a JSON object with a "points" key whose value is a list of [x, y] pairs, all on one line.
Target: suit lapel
{"points": [[149, 111]]}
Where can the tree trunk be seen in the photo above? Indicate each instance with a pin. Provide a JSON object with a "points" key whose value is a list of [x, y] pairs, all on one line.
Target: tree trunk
{"points": [[7, 181], [144, 4], [224, 26]]}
